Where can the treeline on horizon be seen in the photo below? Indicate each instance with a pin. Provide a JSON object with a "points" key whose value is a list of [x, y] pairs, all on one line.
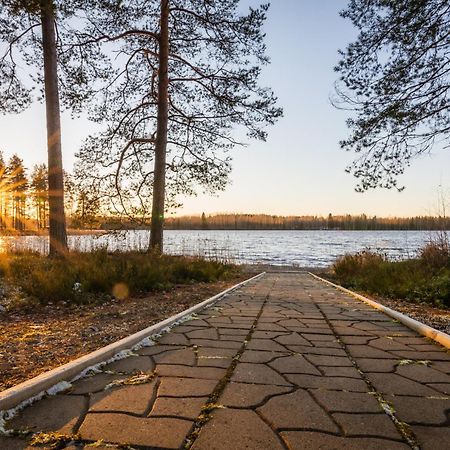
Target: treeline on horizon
{"points": [[330, 222], [24, 208]]}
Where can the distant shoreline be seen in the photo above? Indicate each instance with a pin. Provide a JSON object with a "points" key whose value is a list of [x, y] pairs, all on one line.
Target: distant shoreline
{"points": [[84, 232]]}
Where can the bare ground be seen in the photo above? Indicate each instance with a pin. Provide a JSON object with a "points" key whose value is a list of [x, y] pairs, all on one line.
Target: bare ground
{"points": [[36, 341], [41, 339], [432, 316]]}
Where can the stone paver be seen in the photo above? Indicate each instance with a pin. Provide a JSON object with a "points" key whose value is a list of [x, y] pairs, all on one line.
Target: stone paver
{"points": [[237, 429], [130, 399], [285, 362]]}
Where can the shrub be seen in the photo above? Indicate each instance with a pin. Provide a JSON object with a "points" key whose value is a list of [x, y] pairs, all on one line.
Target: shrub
{"points": [[87, 277], [423, 279], [436, 254]]}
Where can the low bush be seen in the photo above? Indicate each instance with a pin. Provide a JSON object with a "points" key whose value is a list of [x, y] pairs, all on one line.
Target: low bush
{"points": [[88, 277], [422, 279]]}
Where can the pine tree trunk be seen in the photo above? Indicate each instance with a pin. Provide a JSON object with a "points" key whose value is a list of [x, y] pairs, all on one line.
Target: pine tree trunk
{"points": [[57, 232], [159, 180]]}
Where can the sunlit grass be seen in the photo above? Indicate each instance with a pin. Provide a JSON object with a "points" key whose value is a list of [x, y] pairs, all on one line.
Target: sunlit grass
{"points": [[422, 279], [99, 275]]}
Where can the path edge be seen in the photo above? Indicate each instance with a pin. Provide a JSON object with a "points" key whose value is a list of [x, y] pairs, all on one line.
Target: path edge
{"points": [[14, 396], [425, 330]]}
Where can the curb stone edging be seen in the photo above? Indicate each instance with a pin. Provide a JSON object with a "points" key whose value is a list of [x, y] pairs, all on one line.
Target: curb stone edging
{"points": [[38, 386], [425, 330]]}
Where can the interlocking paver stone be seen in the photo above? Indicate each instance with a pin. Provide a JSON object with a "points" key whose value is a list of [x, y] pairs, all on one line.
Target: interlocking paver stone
{"points": [[292, 339], [173, 370], [320, 382], [264, 344], [206, 333], [367, 425], [158, 349], [432, 411], [335, 361], [174, 338], [185, 387], [441, 387], [237, 429], [284, 412], [260, 356], [188, 408], [288, 361], [133, 399], [438, 355], [432, 438], [131, 365], [95, 383], [328, 350], [258, 373], [352, 402], [313, 441], [216, 343], [242, 395], [294, 364], [185, 356], [397, 385], [348, 372], [387, 344], [13, 443], [126, 429], [422, 373], [365, 351], [377, 365], [59, 413]]}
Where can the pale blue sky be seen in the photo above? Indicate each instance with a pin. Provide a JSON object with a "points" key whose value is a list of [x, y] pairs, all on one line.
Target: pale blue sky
{"points": [[300, 169]]}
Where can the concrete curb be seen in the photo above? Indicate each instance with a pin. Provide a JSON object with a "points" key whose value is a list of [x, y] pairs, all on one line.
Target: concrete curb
{"points": [[12, 397], [421, 328]]}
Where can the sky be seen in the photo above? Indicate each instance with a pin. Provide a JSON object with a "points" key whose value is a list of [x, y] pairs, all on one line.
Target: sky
{"points": [[300, 169]]}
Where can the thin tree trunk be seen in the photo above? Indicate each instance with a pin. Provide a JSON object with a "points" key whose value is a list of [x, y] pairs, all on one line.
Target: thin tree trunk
{"points": [[57, 232], [159, 180]]}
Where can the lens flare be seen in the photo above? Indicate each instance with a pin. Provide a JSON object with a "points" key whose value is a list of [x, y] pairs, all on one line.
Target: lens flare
{"points": [[121, 291]]}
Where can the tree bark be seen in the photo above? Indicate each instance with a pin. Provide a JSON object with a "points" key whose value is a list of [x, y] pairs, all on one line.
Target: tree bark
{"points": [[57, 219], [159, 179]]}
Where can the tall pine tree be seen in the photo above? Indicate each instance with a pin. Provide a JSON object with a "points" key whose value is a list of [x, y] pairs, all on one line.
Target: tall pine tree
{"points": [[28, 39], [187, 75]]}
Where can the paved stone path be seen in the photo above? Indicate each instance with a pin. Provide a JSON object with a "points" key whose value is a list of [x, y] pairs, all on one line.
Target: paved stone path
{"points": [[285, 362]]}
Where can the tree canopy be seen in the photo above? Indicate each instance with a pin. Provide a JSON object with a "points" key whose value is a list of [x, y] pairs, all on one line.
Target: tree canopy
{"points": [[215, 56], [395, 78], [22, 61]]}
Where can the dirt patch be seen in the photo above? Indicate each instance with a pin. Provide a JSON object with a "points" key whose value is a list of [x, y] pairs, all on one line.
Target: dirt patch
{"points": [[432, 316], [40, 340]]}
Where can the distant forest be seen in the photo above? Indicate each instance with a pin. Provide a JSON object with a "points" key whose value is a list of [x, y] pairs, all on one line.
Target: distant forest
{"points": [[24, 208], [330, 222]]}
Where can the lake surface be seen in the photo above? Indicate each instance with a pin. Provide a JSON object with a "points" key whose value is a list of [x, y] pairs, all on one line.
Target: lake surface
{"points": [[309, 248]]}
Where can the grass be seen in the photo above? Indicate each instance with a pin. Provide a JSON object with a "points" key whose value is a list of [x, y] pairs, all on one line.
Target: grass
{"points": [[30, 278], [425, 279]]}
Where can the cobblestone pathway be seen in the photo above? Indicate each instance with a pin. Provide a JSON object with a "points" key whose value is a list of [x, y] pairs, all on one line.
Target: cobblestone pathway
{"points": [[286, 362]]}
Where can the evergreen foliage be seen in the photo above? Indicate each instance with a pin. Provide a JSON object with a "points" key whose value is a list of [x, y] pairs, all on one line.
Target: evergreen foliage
{"points": [[395, 78], [212, 57]]}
